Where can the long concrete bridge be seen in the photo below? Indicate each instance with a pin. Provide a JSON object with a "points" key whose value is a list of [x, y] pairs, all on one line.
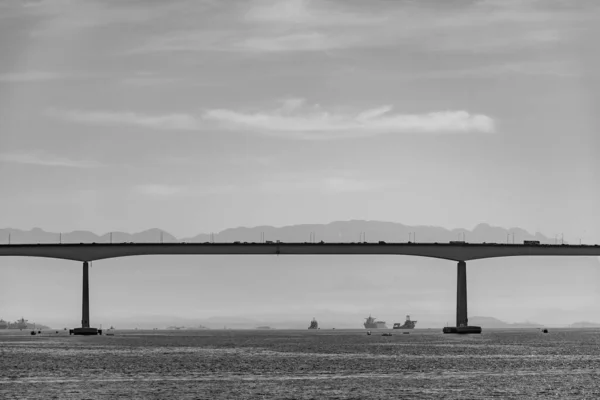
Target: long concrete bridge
{"points": [[454, 251]]}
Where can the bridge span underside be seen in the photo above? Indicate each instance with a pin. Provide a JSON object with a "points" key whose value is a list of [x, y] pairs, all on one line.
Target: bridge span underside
{"points": [[455, 252], [460, 252]]}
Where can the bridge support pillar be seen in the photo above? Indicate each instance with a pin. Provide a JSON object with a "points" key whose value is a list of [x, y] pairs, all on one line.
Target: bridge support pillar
{"points": [[461, 294], [462, 321], [85, 307]]}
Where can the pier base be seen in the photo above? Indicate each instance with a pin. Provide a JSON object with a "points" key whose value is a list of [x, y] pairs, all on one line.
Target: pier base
{"points": [[462, 329], [85, 331]]}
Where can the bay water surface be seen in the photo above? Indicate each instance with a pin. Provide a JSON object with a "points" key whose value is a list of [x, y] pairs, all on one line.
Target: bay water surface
{"points": [[288, 364]]}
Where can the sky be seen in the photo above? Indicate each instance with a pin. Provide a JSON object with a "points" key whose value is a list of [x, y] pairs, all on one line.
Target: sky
{"points": [[197, 116]]}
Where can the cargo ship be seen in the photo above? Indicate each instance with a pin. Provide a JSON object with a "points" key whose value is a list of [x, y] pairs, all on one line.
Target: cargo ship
{"points": [[370, 323], [408, 324], [314, 324]]}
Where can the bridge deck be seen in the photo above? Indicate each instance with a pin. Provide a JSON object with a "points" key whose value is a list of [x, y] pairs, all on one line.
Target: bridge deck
{"points": [[448, 251]]}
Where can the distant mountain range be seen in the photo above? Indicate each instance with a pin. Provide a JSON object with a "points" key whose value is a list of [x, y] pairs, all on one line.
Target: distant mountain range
{"points": [[585, 324], [339, 231], [493, 323]]}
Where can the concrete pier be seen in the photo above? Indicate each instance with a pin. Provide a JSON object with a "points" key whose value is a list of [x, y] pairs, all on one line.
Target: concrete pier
{"points": [[461, 294], [85, 307], [462, 321]]}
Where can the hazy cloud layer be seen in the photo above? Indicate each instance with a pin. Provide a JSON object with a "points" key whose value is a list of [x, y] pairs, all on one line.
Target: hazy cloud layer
{"points": [[170, 190], [301, 25], [69, 16], [169, 121], [332, 184], [564, 69], [306, 12], [30, 76], [48, 160]]}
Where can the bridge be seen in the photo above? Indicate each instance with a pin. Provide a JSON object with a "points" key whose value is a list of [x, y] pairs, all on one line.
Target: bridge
{"points": [[453, 251]]}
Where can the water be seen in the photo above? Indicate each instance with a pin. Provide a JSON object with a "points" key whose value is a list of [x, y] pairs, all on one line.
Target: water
{"points": [[301, 365]]}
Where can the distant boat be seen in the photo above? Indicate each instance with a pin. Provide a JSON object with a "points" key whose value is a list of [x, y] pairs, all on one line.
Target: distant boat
{"points": [[370, 323], [314, 324], [408, 324]]}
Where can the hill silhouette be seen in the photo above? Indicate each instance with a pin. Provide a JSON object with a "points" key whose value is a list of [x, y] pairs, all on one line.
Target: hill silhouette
{"points": [[339, 231]]}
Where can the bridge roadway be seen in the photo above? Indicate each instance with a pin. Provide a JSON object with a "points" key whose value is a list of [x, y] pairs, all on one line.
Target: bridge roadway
{"points": [[447, 251], [460, 252]]}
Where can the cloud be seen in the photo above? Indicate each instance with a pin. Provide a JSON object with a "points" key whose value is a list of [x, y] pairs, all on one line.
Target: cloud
{"points": [[149, 80], [30, 76], [291, 11], [146, 78], [169, 121], [42, 159], [170, 190], [563, 69], [303, 25], [301, 41], [274, 26], [66, 16], [339, 183], [348, 185], [306, 12], [295, 120], [159, 190], [301, 122]]}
